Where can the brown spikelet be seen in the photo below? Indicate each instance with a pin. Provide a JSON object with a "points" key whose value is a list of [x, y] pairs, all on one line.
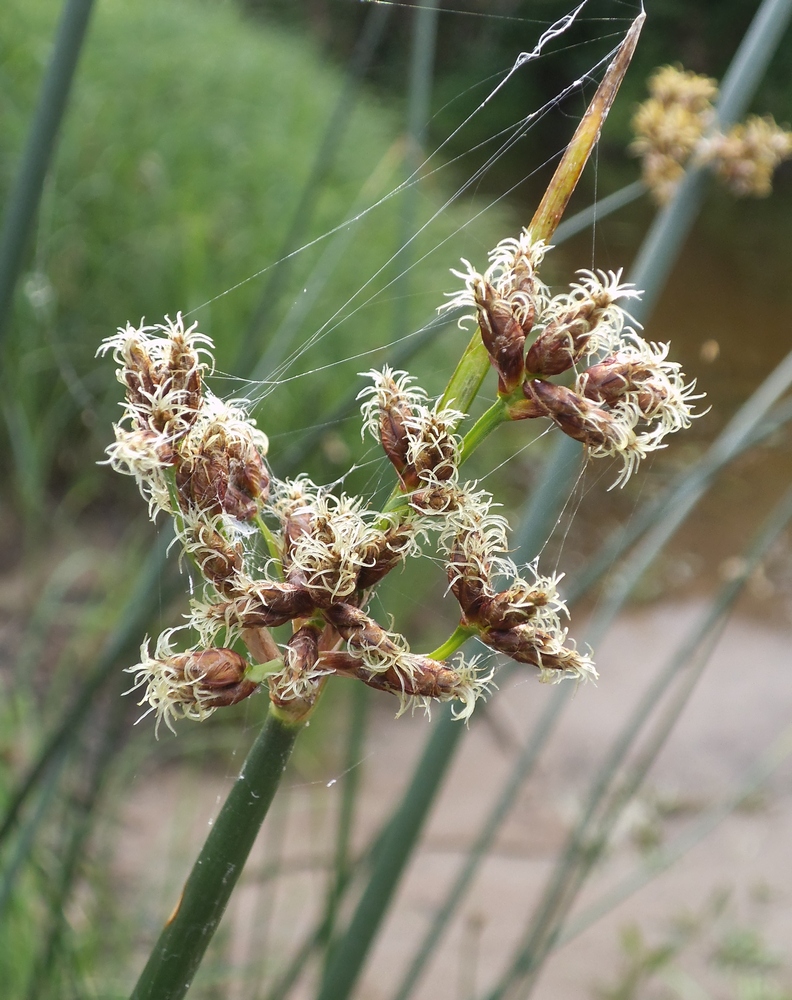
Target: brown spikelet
{"points": [[218, 673], [502, 335], [427, 678]]}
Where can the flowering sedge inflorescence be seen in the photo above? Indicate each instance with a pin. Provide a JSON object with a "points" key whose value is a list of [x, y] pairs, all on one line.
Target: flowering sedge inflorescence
{"points": [[276, 551], [624, 396], [675, 126]]}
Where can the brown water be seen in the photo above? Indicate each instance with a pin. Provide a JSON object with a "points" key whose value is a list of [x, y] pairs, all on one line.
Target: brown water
{"points": [[728, 321]]}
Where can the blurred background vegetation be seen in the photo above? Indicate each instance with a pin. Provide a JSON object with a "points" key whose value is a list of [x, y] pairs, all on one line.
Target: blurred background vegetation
{"points": [[204, 142]]}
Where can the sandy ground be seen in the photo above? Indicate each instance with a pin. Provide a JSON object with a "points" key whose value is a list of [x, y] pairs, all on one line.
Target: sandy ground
{"points": [[741, 705]]}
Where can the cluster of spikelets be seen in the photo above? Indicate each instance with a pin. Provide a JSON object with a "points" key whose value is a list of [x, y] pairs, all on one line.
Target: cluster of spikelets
{"points": [[274, 552], [202, 461], [675, 126], [624, 396]]}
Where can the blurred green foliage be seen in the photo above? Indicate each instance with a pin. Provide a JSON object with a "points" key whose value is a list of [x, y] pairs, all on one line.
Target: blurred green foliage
{"points": [[190, 135]]}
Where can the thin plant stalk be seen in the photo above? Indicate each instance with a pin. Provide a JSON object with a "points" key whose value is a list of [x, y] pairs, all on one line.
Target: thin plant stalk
{"points": [[588, 217], [391, 857], [326, 266], [342, 866], [189, 929], [521, 769], [25, 194], [73, 850], [419, 102], [143, 601], [26, 837]]}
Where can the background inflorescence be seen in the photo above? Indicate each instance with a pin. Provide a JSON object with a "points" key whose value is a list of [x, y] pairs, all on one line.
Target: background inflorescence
{"points": [[676, 125]]}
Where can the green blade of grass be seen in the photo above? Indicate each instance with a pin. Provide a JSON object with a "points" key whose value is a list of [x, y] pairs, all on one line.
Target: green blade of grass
{"points": [[13, 865], [344, 237], [72, 851], [521, 769], [419, 96], [25, 195], [588, 217], [342, 865]]}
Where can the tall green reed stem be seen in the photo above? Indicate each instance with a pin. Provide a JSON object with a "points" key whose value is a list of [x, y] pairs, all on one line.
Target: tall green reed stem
{"points": [[184, 939], [419, 102], [391, 858], [71, 852], [26, 193], [342, 864], [522, 768]]}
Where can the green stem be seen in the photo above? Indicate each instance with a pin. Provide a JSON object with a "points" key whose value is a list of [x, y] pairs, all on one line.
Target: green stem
{"points": [[188, 931], [273, 547], [458, 638], [343, 864], [258, 672], [391, 858], [24, 197], [496, 415]]}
